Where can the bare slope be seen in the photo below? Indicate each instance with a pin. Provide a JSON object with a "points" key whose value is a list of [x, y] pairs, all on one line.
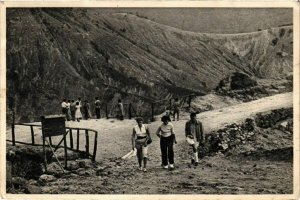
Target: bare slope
{"points": [[57, 53]]}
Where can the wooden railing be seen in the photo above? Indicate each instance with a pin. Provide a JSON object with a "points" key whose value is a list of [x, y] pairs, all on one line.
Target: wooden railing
{"points": [[129, 110], [169, 103], [71, 141]]}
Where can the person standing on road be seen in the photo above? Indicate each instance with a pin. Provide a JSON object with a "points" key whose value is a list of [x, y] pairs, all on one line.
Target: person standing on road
{"points": [[167, 138], [97, 107], [176, 106], [140, 140], [78, 114], [68, 110], [64, 108], [194, 136], [120, 110], [72, 110], [86, 110], [80, 104]]}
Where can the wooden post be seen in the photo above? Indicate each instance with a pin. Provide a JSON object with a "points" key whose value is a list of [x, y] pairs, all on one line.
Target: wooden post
{"points": [[50, 141], [95, 147], [71, 138], [152, 112], [87, 146], [44, 150], [13, 130], [66, 152], [106, 111], [9, 173], [129, 112], [190, 100], [77, 145], [32, 135]]}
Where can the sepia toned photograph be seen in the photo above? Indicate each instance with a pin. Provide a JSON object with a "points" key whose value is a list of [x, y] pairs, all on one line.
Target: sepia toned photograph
{"points": [[149, 100]]}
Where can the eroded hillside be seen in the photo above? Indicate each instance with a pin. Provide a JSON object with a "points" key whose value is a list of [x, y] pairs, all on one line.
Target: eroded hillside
{"points": [[67, 53]]}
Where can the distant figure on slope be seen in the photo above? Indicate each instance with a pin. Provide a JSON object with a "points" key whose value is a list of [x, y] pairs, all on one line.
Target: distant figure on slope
{"points": [[194, 136], [64, 108], [176, 106], [78, 114], [140, 140], [167, 138], [86, 110], [72, 109], [120, 114], [97, 107]]}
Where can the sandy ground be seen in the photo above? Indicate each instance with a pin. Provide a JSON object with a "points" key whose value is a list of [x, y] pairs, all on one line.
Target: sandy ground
{"points": [[214, 175]]}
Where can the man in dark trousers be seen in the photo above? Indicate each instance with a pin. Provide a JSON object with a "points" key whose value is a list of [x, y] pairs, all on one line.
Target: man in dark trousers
{"points": [[97, 107], [64, 108], [194, 135]]}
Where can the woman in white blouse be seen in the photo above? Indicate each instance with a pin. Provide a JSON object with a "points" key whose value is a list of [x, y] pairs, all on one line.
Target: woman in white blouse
{"points": [[140, 136]]}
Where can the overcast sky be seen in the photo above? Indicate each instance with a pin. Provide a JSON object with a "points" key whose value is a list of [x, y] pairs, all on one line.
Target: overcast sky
{"points": [[215, 20]]}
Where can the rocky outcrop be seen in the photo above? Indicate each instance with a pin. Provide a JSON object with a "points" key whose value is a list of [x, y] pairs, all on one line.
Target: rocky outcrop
{"points": [[266, 134], [237, 81], [245, 88], [270, 119]]}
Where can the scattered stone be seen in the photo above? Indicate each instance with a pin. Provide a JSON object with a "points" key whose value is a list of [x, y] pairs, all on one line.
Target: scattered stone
{"points": [[271, 118], [47, 178], [32, 189], [19, 182], [72, 155], [54, 169], [208, 165], [73, 165], [86, 172], [72, 175], [100, 169], [83, 163]]}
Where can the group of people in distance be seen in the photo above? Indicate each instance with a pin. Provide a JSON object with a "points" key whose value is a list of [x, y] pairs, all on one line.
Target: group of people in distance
{"points": [[76, 110], [141, 138], [174, 110]]}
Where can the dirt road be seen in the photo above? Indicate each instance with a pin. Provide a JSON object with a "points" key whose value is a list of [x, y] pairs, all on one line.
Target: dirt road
{"points": [[214, 175]]}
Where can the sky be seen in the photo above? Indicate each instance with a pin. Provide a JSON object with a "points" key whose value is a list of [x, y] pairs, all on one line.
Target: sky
{"points": [[214, 20]]}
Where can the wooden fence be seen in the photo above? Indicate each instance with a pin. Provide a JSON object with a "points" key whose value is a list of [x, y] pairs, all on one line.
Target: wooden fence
{"points": [[154, 106], [73, 145]]}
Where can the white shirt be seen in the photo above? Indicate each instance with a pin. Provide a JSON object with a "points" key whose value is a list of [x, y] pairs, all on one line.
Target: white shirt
{"points": [[68, 105], [141, 132], [64, 105], [166, 130]]}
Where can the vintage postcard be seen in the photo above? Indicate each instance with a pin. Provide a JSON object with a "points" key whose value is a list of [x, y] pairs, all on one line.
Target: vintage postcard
{"points": [[154, 100]]}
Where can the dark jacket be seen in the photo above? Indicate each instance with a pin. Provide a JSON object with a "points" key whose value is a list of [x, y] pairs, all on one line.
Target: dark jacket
{"points": [[199, 130]]}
